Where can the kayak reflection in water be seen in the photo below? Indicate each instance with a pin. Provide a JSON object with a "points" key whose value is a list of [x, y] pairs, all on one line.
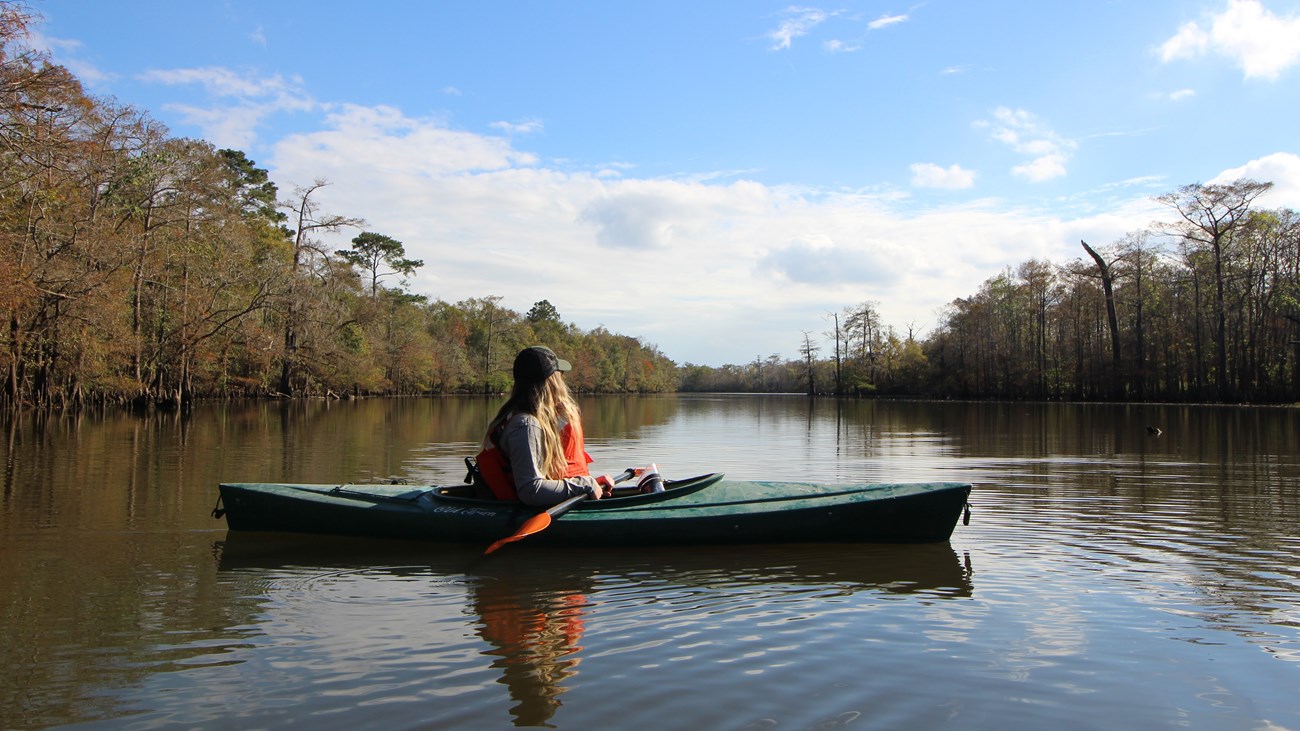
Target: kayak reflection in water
{"points": [[534, 636], [534, 450]]}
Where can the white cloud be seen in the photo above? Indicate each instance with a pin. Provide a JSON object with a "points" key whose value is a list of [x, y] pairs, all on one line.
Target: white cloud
{"points": [[1182, 94], [246, 100], [258, 36], [1041, 168], [232, 127], [67, 53], [885, 21], [1190, 41], [837, 46], [635, 219], [1282, 169], [1260, 43], [36, 40], [953, 177], [1024, 133], [798, 21], [712, 271], [819, 261], [220, 81], [527, 126], [381, 141]]}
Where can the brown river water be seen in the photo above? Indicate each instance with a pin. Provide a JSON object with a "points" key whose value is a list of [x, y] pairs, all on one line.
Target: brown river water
{"points": [[1109, 578]]}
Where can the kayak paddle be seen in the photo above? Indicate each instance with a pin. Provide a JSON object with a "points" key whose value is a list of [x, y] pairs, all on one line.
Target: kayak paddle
{"points": [[542, 520]]}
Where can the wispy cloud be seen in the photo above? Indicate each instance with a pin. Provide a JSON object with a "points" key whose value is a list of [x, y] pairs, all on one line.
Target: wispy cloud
{"points": [[885, 21], [1249, 35], [67, 53], [1181, 94], [797, 22], [40, 42], [953, 177], [838, 46], [1024, 133], [258, 36], [240, 101], [527, 126], [221, 81]]}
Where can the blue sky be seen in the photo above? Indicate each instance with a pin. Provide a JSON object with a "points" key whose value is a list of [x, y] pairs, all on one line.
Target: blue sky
{"points": [[718, 177]]}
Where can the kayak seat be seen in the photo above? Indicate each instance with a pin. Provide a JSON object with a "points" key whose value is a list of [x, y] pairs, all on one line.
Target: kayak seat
{"points": [[462, 491]]}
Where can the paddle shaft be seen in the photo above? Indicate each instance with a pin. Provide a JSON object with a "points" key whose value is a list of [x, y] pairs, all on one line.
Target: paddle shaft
{"points": [[542, 520], [561, 508]]}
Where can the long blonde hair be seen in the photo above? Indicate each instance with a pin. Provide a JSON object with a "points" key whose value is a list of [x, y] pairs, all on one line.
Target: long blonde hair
{"points": [[551, 402]]}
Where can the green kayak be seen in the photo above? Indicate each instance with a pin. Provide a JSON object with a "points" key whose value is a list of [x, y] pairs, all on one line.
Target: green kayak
{"points": [[700, 510]]}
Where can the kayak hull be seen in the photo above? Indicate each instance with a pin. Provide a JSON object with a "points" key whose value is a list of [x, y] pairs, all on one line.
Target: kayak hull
{"points": [[703, 510]]}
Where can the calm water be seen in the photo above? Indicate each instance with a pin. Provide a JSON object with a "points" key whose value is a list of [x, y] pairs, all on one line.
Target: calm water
{"points": [[1108, 578]]}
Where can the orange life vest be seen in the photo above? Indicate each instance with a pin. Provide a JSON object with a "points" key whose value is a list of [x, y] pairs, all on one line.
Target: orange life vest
{"points": [[575, 450], [494, 465]]}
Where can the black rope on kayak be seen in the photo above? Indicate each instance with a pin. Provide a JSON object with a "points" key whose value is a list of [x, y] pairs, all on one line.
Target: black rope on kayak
{"points": [[375, 497], [217, 510], [965, 516]]}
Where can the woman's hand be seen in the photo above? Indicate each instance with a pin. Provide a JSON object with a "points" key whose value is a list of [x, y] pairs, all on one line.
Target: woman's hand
{"points": [[606, 484]]}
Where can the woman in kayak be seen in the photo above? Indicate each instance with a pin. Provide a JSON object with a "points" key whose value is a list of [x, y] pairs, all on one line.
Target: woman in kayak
{"points": [[534, 450]]}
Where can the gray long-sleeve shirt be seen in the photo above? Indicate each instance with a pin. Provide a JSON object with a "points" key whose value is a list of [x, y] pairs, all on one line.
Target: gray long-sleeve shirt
{"points": [[521, 440]]}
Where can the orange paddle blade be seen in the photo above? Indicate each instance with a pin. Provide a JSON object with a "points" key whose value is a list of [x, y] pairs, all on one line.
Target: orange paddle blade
{"points": [[535, 524]]}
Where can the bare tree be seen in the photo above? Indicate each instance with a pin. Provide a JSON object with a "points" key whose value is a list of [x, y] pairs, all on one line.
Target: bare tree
{"points": [[1210, 216], [809, 351], [309, 222], [838, 337], [1108, 286]]}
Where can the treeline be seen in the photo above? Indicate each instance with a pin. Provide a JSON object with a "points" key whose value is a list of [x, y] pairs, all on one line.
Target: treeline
{"points": [[1203, 308], [858, 356], [1206, 308], [139, 267]]}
